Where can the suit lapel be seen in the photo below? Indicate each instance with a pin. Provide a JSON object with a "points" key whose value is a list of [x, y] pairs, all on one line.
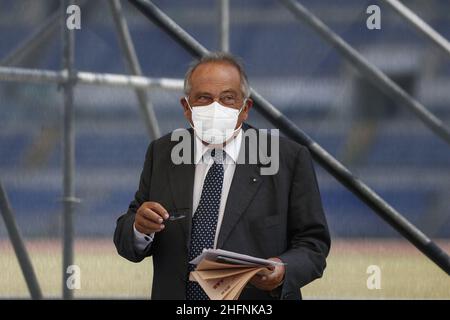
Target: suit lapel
{"points": [[245, 184], [181, 181]]}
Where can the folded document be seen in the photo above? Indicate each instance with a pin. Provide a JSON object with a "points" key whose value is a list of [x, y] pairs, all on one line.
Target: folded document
{"points": [[223, 274]]}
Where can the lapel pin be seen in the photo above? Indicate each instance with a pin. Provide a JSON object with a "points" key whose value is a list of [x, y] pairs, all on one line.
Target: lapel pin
{"points": [[254, 180]]}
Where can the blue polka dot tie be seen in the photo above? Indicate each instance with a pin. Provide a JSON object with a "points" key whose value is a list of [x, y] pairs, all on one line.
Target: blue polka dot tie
{"points": [[204, 222]]}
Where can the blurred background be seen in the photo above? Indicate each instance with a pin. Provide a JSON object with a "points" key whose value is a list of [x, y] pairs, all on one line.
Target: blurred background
{"points": [[291, 66]]}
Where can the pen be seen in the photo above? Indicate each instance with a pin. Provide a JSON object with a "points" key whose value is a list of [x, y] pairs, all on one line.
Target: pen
{"points": [[177, 214], [173, 217]]}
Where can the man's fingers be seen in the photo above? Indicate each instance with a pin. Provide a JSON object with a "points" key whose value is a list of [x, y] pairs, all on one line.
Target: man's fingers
{"points": [[269, 279], [151, 215], [271, 275], [260, 284], [265, 272], [159, 209], [256, 281], [263, 278], [276, 275], [150, 226]]}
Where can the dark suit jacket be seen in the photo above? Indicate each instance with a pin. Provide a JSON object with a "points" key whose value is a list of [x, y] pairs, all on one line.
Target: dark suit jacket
{"points": [[265, 216]]}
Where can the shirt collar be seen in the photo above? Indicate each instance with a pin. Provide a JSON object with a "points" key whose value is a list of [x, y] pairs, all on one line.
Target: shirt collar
{"points": [[231, 148]]}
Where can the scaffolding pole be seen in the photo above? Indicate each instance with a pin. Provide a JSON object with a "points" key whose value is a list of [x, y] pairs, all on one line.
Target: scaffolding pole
{"points": [[134, 68], [69, 199], [327, 161], [435, 37], [12, 74], [368, 70], [224, 24], [19, 246], [29, 45], [32, 42]]}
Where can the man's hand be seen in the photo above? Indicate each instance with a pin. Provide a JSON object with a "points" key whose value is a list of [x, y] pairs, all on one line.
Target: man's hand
{"points": [[271, 279], [150, 217]]}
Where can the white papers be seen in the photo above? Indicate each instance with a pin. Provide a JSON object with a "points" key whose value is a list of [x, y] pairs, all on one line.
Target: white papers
{"points": [[224, 256], [223, 274]]}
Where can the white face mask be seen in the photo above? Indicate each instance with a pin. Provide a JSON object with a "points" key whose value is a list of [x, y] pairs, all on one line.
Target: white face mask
{"points": [[214, 123]]}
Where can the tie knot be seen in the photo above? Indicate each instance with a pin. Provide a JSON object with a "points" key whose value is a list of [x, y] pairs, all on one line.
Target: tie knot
{"points": [[218, 155]]}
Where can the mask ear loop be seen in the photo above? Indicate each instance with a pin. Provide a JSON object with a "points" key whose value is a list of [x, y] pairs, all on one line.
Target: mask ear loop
{"points": [[243, 106], [187, 101], [190, 108], [240, 110]]}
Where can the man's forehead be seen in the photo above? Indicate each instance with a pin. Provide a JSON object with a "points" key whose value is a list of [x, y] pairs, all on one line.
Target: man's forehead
{"points": [[216, 72]]}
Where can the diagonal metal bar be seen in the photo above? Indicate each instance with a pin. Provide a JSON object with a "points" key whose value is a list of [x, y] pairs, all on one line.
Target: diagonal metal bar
{"points": [[19, 246], [435, 37], [369, 71], [35, 40], [334, 167], [41, 34], [134, 68]]}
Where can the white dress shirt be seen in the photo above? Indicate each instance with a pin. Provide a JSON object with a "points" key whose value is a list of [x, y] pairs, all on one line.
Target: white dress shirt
{"points": [[203, 162]]}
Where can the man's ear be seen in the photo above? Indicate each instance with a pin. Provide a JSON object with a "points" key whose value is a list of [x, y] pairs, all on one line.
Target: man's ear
{"points": [[247, 107], [248, 104], [244, 113], [184, 104], [186, 109]]}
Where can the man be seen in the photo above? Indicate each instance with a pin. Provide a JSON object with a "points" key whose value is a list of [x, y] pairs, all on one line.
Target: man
{"points": [[228, 204]]}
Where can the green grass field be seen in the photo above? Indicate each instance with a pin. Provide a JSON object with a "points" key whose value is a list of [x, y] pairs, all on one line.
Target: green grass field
{"points": [[405, 272]]}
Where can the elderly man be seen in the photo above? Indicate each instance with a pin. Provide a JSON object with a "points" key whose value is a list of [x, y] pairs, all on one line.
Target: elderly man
{"points": [[227, 203]]}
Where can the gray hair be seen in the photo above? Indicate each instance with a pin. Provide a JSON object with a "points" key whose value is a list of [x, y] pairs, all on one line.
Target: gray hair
{"points": [[218, 57]]}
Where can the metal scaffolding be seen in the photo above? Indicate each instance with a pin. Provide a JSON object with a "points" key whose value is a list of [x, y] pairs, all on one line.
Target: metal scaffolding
{"points": [[134, 67], [68, 78], [326, 160], [19, 246], [224, 25], [368, 70], [69, 199], [89, 78], [421, 26]]}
